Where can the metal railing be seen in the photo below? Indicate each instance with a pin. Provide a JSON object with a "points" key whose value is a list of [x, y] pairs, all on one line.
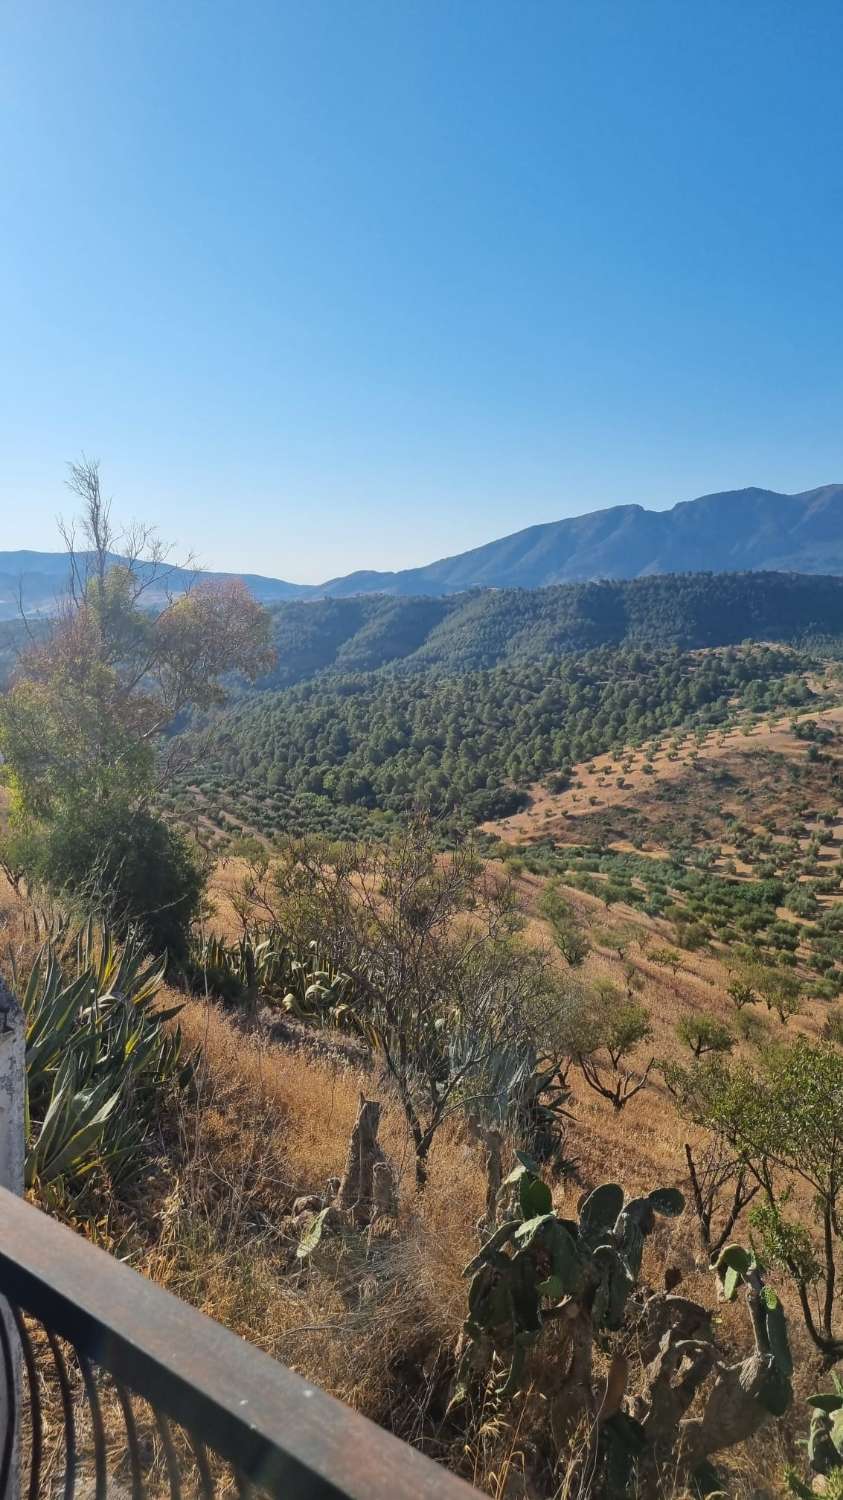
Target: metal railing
{"points": [[111, 1385]]}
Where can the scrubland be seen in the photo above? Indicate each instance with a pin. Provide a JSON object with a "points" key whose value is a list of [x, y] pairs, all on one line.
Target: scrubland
{"points": [[377, 1319]]}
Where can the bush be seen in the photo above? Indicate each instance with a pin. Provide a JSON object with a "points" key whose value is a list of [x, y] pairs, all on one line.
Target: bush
{"points": [[833, 1028], [127, 868], [497, 802]]}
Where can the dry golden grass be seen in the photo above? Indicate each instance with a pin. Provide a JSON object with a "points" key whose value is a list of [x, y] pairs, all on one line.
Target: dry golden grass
{"points": [[377, 1323], [558, 814], [266, 1126]]}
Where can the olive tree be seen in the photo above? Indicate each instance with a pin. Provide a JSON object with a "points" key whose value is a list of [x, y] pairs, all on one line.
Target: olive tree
{"points": [[568, 934], [445, 991], [610, 1030], [703, 1033], [784, 1120]]}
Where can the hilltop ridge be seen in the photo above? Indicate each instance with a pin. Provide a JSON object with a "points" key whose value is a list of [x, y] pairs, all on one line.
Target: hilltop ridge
{"points": [[730, 531]]}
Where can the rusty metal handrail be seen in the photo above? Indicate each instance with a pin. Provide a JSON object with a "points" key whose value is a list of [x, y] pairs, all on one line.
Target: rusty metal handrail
{"points": [[235, 1406]]}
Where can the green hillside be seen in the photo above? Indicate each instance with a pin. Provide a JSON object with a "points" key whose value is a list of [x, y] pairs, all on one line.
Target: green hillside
{"points": [[347, 754], [488, 627]]}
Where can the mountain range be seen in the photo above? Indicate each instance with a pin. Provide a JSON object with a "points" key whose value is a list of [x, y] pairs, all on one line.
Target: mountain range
{"points": [[732, 531]]}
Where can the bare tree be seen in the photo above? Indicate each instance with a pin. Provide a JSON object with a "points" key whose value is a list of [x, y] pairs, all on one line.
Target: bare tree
{"points": [[721, 1189], [136, 548]]}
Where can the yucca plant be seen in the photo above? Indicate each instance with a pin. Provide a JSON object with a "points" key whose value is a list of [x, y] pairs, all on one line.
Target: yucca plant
{"points": [[99, 1056]]}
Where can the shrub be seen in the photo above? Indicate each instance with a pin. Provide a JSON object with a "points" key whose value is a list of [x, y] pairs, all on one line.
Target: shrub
{"points": [[785, 1121], [567, 933], [536, 1268], [127, 868], [833, 1028]]}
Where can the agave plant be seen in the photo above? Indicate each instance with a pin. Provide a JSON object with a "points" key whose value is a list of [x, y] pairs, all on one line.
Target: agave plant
{"points": [[253, 965], [523, 1090], [306, 984], [317, 990], [99, 1056]]}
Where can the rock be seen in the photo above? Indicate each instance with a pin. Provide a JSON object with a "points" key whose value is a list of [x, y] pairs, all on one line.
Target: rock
{"points": [[310, 1201]]}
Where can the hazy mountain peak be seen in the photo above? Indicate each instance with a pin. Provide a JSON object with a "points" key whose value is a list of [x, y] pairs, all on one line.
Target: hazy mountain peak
{"points": [[748, 529]]}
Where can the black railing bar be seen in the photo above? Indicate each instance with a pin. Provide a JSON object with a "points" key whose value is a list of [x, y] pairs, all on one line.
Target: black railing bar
{"points": [[206, 1481], [69, 1418], [11, 1397], [280, 1431], [130, 1425], [170, 1455], [36, 1442], [97, 1426]]}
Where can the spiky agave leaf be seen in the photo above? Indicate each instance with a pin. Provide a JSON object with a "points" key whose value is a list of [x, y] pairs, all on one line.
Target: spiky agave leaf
{"points": [[94, 1039], [312, 1237]]}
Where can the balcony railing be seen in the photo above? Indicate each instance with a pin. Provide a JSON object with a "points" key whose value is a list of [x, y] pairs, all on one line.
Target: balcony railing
{"points": [[112, 1386]]}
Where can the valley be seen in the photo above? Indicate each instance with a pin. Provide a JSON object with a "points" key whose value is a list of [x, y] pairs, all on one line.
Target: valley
{"points": [[440, 846], [421, 753]]}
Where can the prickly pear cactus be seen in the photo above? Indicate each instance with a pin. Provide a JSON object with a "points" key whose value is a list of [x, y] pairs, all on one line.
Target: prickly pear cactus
{"points": [[535, 1261], [825, 1444], [825, 1439], [614, 1232], [773, 1363]]}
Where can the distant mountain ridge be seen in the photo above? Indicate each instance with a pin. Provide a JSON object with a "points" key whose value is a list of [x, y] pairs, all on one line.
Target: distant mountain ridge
{"points": [[732, 531], [40, 578]]}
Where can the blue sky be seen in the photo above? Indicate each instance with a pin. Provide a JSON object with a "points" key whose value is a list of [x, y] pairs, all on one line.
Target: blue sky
{"points": [[330, 285]]}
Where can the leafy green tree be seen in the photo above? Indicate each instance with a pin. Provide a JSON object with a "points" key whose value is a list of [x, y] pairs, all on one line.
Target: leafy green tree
{"points": [[612, 1028], [667, 958], [567, 932], [129, 869], [785, 1121], [447, 994], [83, 724], [741, 992], [704, 1034], [781, 992]]}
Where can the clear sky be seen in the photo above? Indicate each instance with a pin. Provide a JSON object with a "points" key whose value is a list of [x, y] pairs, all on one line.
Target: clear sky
{"points": [[341, 283]]}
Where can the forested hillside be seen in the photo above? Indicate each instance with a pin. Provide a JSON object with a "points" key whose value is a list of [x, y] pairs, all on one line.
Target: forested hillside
{"points": [[330, 753], [491, 626], [591, 989]]}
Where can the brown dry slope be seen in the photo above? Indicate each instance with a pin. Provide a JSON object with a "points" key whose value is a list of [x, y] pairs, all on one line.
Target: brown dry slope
{"points": [[632, 779]]}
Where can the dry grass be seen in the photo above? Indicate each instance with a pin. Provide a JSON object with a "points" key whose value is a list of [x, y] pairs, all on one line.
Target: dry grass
{"points": [[559, 815], [266, 1126], [377, 1322]]}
